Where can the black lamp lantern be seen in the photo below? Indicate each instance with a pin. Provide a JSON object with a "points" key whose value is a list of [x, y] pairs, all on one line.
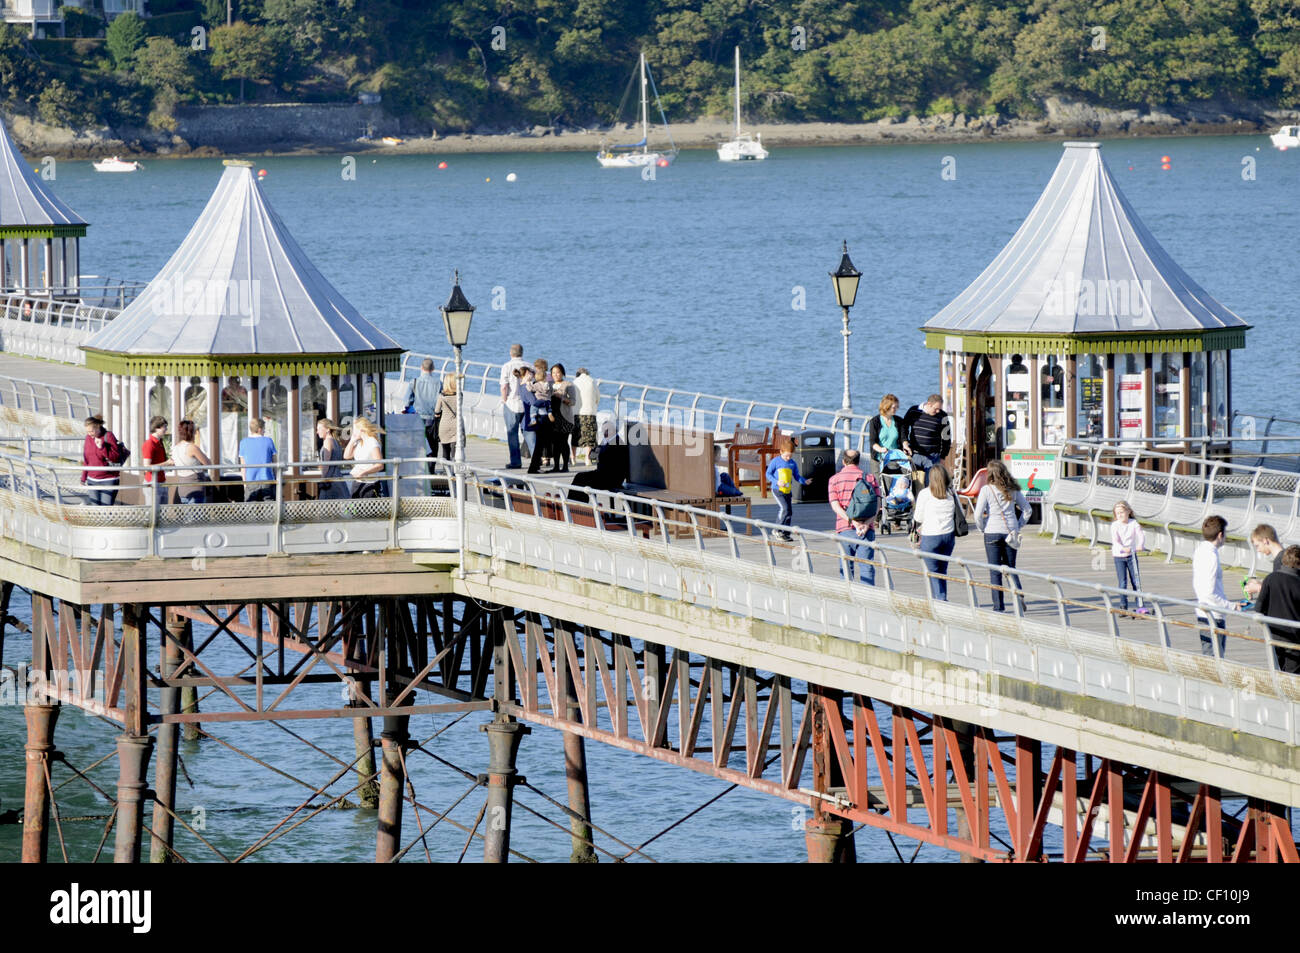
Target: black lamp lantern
{"points": [[846, 278], [457, 314]]}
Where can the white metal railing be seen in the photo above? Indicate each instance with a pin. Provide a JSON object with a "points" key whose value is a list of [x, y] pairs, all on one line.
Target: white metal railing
{"points": [[44, 503], [623, 400], [1172, 491], [742, 566], [41, 398]]}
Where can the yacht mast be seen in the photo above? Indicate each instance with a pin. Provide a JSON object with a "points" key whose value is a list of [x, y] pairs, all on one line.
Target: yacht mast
{"points": [[645, 121], [737, 92]]}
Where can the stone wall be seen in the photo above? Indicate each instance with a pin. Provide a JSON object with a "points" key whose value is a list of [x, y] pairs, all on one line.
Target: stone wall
{"points": [[277, 126]]}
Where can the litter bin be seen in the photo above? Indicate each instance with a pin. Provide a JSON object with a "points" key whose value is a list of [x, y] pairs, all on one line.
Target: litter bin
{"points": [[815, 452]]}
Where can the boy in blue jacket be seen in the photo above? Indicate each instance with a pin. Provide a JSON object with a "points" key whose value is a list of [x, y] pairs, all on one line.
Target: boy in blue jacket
{"points": [[782, 475]]}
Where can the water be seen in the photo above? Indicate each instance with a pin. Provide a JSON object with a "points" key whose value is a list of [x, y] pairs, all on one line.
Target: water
{"points": [[685, 280]]}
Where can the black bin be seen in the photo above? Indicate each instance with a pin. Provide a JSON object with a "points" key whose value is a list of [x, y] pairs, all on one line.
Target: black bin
{"points": [[815, 452]]}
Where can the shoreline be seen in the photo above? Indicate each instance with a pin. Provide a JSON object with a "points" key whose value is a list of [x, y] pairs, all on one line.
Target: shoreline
{"points": [[1062, 122]]}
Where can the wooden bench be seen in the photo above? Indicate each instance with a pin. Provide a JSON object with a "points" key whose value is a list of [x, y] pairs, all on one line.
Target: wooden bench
{"points": [[580, 514]]}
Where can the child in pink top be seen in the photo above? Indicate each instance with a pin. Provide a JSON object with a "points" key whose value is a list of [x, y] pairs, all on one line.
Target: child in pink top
{"points": [[1126, 541]]}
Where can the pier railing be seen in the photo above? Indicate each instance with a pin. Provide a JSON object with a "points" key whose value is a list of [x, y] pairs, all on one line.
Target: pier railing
{"points": [[1071, 634], [43, 503], [53, 400], [1172, 494], [624, 400]]}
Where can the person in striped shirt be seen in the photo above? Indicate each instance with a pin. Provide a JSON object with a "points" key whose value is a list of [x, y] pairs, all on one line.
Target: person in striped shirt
{"points": [[856, 536], [927, 433]]}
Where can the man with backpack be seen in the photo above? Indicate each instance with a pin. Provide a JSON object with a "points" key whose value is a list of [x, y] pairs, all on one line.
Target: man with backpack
{"points": [[854, 498]]}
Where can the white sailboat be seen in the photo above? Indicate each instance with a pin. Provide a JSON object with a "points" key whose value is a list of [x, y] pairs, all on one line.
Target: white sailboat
{"points": [[744, 146], [625, 156]]}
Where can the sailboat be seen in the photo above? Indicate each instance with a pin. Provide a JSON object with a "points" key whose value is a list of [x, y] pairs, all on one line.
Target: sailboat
{"points": [[625, 156], [744, 146]]}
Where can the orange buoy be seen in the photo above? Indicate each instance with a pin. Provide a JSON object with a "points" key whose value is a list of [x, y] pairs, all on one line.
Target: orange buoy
{"points": [[662, 163], [442, 165]]}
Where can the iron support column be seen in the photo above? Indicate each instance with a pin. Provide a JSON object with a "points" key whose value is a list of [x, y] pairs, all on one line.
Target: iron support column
{"points": [[392, 783], [364, 747], [164, 771], [133, 763], [829, 840], [504, 735], [36, 809], [575, 772]]}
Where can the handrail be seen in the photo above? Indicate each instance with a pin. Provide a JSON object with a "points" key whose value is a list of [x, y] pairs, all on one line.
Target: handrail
{"points": [[630, 401], [535, 499], [76, 403]]}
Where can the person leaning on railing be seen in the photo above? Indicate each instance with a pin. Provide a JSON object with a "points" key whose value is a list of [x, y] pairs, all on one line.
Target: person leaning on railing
{"points": [[191, 471], [363, 447], [101, 449], [331, 487], [256, 453]]}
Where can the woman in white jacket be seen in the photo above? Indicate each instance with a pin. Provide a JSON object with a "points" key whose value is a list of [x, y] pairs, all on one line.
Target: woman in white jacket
{"points": [[936, 514], [584, 412]]}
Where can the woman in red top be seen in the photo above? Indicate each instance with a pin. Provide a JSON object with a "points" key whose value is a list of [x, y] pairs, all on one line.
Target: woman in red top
{"points": [[101, 450]]}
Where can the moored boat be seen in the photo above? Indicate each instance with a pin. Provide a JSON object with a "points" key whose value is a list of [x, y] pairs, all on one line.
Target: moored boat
{"points": [[114, 164]]}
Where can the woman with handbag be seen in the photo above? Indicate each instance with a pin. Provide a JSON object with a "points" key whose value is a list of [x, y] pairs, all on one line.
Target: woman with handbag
{"points": [[997, 514], [562, 424], [938, 516]]}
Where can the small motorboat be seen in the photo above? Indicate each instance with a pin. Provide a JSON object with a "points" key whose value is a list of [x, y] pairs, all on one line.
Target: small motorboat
{"points": [[1288, 137], [114, 164], [392, 141]]}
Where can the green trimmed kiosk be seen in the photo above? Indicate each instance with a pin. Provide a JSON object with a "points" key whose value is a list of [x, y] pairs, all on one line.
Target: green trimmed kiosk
{"points": [[40, 250], [1082, 327], [239, 323]]}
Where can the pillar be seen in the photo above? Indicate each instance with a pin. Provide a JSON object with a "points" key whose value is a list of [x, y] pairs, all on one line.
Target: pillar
{"points": [[164, 772], [364, 747], [392, 781], [133, 761], [504, 735], [575, 772], [829, 840], [189, 694], [36, 810]]}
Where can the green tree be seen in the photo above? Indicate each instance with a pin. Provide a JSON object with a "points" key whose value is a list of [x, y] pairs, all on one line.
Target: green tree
{"points": [[162, 64], [244, 52], [124, 38], [59, 105]]}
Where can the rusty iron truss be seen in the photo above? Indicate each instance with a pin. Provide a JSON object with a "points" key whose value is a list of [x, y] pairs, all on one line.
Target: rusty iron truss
{"points": [[847, 759]]}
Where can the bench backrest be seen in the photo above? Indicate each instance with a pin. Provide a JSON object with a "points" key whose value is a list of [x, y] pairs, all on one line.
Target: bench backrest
{"points": [[672, 458]]}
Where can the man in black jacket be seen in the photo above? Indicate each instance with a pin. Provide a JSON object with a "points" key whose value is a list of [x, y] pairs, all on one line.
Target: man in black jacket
{"points": [[927, 433], [1279, 597]]}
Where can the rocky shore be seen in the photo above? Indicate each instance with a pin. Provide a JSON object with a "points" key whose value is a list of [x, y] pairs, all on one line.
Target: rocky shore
{"points": [[300, 129]]}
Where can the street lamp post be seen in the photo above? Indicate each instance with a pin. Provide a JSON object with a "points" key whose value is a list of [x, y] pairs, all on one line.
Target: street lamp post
{"points": [[457, 314], [845, 279]]}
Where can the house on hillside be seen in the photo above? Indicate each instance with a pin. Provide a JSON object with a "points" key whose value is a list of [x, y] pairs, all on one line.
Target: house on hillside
{"points": [[43, 19]]}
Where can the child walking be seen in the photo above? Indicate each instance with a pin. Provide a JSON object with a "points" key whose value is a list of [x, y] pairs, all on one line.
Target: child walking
{"points": [[1126, 541], [782, 475]]}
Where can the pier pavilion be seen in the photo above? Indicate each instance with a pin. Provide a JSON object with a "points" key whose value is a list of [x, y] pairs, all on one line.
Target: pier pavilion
{"points": [[40, 236], [240, 320], [1082, 326]]}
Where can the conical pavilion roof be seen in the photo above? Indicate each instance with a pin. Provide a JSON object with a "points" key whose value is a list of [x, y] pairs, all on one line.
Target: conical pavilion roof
{"points": [[25, 202], [1083, 263], [239, 296]]}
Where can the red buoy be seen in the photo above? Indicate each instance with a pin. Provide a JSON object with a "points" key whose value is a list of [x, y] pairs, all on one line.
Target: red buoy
{"points": [[662, 163], [442, 165]]}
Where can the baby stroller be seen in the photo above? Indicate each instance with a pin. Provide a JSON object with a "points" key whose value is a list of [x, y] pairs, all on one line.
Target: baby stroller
{"points": [[896, 483]]}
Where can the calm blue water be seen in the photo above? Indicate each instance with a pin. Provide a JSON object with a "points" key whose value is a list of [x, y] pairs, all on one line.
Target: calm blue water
{"points": [[685, 280]]}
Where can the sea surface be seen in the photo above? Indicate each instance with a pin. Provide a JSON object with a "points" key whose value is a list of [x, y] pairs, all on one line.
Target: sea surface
{"points": [[691, 279]]}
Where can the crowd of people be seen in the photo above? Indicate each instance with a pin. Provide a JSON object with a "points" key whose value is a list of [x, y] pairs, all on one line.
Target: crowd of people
{"points": [[188, 471], [547, 416]]}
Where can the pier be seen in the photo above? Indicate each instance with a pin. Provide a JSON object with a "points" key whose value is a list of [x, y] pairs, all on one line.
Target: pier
{"points": [[661, 623]]}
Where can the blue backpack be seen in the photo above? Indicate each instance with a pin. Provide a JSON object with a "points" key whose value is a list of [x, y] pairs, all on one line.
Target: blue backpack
{"points": [[864, 504]]}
